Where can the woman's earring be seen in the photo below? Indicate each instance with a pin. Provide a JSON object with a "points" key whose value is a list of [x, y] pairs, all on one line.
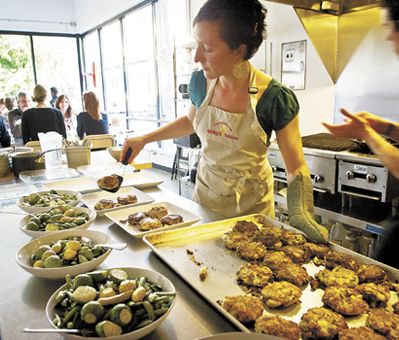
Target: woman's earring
{"points": [[240, 70]]}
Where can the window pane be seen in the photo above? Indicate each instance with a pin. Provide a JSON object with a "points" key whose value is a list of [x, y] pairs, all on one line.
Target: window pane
{"points": [[57, 65], [16, 71]]}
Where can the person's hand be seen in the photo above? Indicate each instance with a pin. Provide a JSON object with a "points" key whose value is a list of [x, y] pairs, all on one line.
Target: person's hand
{"points": [[377, 123], [136, 144]]}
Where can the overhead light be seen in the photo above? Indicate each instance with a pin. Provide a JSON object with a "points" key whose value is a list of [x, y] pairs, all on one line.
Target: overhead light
{"points": [[330, 7]]}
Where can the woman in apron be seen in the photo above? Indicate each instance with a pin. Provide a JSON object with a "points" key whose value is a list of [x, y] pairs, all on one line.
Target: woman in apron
{"points": [[235, 109]]}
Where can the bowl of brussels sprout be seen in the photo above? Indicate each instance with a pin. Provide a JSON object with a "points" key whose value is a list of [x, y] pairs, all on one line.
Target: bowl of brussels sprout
{"points": [[44, 201], [121, 303], [55, 255], [60, 218]]}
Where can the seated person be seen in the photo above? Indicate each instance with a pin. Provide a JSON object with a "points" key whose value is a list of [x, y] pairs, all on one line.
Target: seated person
{"points": [[41, 118], [64, 105], [92, 121], [15, 116], [5, 140]]}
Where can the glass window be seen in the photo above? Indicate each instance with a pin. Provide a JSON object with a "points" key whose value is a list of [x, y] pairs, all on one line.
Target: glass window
{"points": [[57, 65]]}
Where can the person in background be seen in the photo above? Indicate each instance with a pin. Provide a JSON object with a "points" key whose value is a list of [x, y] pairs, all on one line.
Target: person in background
{"points": [[235, 107], [64, 105], [54, 95], [92, 121], [3, 112], [374, 130], [15, 116], [5, 140], [41, 118], [10, 103]]}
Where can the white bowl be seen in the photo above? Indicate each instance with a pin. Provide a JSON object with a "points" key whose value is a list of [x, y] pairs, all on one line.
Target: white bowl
{"points": [[24, 254], [115, 152], [38, 210], [34, 234], [152, 276]]}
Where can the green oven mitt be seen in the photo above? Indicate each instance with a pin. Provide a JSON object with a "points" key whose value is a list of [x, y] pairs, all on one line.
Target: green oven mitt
{"points": [[301, 209]]}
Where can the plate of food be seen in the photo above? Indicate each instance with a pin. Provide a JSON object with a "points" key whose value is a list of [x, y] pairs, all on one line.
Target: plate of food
{"points": [[103, 202], [145, 219]]}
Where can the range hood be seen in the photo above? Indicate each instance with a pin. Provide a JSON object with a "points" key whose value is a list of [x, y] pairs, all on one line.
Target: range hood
{"points": [[336, 27]]}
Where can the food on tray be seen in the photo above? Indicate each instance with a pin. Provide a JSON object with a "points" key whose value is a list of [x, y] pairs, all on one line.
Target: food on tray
{"points": [[276, 259], [157, 212], [233, 239], [280, 294], [318, 250], [120, 200], [171, 219], [50, 199], [363, 333], [248, 228], [291, 238], [371, 273], [277, 326], [104, 204], [395, 307], [375, 295], [134, 219], [110, 183], [251, 251], [334, 259], [297, 254], [109, 303], [244, 308], [384, 322], [192, 258], [203, 273], [148, 223], [254, 274], [344, 300], [293, 273], [339, 276], [321, 323], [127, 199], [67, 252], [59, 218], [270, 236]]}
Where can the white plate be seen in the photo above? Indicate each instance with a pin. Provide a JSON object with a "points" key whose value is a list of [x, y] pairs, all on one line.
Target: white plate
{"points": [[116, 216], [152, 276], [91, 199], [24, 254], [34, 234], [104, 169], [37, 210]]}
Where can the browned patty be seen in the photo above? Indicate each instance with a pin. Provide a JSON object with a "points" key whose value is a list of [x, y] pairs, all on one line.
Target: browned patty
{"points": [[251, 251], [395, 307], [377, 296], [148, 223], [371, 273], [293, 273], [383, 322], [277, 326], [359, 333], [318, 250], [334, 259], [233, 239], [246, 227], [244, 308], [297, 254], [157, 212], [135, 218], [276, 259], [254, 274], [270, 237], [280, 294], [339, 276], [292, 238], [171, 219], [127, 199], [346, 301]]}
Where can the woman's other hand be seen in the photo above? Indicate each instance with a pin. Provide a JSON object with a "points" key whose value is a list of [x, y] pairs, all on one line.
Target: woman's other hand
{"points": [[136, 144]]}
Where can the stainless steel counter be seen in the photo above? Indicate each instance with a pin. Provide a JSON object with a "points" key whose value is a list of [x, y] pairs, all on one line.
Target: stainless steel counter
{"points": [[24, 297]]}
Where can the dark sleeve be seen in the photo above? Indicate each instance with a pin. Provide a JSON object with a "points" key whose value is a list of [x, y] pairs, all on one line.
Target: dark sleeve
{"points": [[5, 139], [61, 124], [106, 124], [80, 129], [25, 128], [197, 88]]}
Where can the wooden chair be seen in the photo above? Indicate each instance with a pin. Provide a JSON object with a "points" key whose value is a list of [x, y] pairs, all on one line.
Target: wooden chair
{"points": [[100, 141]]}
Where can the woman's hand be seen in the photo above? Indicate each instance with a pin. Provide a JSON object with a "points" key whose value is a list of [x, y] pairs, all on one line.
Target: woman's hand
{"points": [[136, 144]]}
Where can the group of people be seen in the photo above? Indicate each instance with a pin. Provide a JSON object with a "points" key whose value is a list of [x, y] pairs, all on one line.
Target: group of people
{"points": [[23, 122]]}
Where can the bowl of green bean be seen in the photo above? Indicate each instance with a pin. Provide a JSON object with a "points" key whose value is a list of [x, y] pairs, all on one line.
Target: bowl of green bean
{"points": [[120, 303]]}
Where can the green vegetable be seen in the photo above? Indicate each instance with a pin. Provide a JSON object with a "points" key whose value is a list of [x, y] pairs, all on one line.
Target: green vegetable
{"points": [[79, 220], [121, 314], [118, 275], [82, 259], [32, 226], [99, 275], [108, 328], [82, 280], [53, 261], [86, 252], [84, 294], [122, 297], [40, 251], [92, 312]]}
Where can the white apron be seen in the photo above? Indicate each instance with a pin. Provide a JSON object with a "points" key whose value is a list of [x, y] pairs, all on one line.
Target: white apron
{"points": [[233, 177]]}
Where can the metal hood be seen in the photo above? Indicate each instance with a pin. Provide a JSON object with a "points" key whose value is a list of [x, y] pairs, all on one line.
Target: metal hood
{"points": [[336, 27]]}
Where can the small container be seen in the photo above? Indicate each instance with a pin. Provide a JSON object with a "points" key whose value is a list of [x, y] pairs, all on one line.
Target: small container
{"points": [[78, 156]]}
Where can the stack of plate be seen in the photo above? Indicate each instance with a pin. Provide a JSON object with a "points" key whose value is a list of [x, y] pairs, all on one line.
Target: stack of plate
{"points": [[4, 164]]}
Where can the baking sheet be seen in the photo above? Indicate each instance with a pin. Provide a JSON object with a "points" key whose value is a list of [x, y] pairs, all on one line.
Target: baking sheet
{"points": [[90, 199], [205, 241], [116, 216]]}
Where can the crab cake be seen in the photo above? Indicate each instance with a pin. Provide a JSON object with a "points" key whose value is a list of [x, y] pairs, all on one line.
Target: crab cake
{"points": [[363, 333], [346, 301], [127, 199], [148, 223], [334, 259], [276, 259], [292, 238], [371, 273], [339, 276], [248, 228], [377, 296], [254, 274], [251, 251], [384, 322], [280, 294], [157, 212], [171, 219], [134, 219], [297, 254], [270, 237], [244, 308], [233, 239], [277, 326], [293, 273], [321, 323], [395, 307], [317, 250]]}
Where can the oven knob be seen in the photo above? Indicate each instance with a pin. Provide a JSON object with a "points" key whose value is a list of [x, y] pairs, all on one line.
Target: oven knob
{"points": [[371, 178], [318, 178], [274, 168], [350, 175]]}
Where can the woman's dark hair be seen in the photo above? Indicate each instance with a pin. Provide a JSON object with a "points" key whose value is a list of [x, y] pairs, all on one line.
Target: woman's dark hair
{"points": [[68, 112], [393, 11], [241, 22]]}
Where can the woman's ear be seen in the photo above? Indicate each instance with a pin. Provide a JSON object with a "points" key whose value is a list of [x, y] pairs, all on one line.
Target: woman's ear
{"points": [[242, 51]]}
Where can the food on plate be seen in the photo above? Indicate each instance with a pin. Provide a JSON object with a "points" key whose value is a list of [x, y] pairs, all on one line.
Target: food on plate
{"points": [[244, 308], [376, 295], [270, 236], [109, 303], [363, 333], [233, 239], [134, 219], [277, 326], [254, 274], [276, 259], [297, 254], [293, 273], [59, 218], [157, 212], [344, 300], [246, 227], [384, 322], [127, 199], [203, 273], [339, 276], [171, 219], [395, 307], [110, 183], [292, 238], [148, 223], [120, 200], [48, 199], [104, 204], [251, 251], [334, 259], [371, 273], [317, 250], [67, 252], [321, 323], [280, 294]]}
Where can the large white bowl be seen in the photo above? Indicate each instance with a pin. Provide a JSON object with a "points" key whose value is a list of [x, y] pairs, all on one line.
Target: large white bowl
{"points": [[34, 234], [24, 254], [152, 276], [38, 210]]}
